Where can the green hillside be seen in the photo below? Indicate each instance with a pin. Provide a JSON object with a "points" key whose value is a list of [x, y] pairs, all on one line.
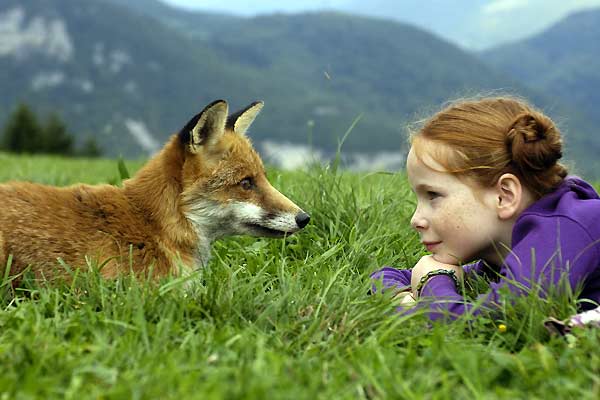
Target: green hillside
{"points": [[563, 61], [198, 25], [131, 75], [331, 67], [114, 65], [326, 68], [383, 65]]}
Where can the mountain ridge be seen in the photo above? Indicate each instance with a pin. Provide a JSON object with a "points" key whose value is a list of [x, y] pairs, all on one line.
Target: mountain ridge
{"points": [[564, 60], [131, 76]]}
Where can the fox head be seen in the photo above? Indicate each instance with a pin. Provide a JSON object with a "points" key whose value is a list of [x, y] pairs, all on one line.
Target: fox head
{"points": [[225, 188]]}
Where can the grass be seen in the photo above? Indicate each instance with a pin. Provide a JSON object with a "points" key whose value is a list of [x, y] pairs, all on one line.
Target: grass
{"points": [[273, 319]]}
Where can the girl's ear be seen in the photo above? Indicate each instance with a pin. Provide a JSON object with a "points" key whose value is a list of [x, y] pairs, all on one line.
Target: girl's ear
{"points": [[510, 196]]}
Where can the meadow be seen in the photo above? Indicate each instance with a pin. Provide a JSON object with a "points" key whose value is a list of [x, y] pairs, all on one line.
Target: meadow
{"points": [[279, 318]]}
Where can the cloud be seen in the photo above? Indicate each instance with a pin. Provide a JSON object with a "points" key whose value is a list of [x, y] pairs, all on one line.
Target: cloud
{"points": [[504, 6]]}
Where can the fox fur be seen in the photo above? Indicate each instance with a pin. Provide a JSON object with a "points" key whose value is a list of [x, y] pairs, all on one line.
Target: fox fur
{"points": [[207, 182]]}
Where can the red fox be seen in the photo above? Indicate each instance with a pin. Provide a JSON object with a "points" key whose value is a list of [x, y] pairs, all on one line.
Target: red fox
{"points": [[207, 182]]}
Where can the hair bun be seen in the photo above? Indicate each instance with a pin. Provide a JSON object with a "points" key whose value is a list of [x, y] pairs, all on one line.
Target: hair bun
{"points": [[534, 142], [527, 126]]}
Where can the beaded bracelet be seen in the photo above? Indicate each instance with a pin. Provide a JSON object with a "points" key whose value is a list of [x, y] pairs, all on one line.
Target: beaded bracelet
{"points": [[448, 272]]}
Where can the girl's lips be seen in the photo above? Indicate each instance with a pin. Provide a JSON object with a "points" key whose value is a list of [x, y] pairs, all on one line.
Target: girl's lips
{"points": [[430, 245]]}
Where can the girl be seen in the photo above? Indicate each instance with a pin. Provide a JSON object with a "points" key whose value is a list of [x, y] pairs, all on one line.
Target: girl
{"points": [[489, 187]]}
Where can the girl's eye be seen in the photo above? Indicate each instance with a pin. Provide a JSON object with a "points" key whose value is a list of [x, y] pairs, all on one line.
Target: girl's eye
{"points": [[247, 183], [431, 195]]}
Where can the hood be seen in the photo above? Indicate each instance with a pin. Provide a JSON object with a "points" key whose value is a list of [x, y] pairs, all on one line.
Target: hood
{"points": [[561, 200], [582, 189]]}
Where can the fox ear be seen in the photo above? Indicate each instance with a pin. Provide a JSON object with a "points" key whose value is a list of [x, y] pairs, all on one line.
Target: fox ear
{"points": [[241, 120], [205, 128]]}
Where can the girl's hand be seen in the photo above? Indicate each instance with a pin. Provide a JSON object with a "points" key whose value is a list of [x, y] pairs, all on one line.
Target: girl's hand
{"points": [[427, 264], [405, 298]]}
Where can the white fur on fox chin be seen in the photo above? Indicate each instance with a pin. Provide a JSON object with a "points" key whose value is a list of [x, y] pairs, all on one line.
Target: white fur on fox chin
{"points": [[212, 220], [251, 213]]}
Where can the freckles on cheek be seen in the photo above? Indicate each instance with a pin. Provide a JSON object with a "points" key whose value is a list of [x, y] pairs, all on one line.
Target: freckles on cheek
{"points": [[454, 220], [458, 224]]}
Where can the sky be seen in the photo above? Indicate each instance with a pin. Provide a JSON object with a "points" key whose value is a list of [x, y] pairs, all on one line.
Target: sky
{"points": [[471, 24]]}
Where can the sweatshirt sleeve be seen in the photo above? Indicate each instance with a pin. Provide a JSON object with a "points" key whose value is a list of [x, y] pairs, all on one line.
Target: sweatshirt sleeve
{"points": [[392, 278], [548, 249], [399, 279]]}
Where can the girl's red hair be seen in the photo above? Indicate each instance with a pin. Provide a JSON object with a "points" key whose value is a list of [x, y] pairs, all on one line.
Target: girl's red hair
{"points": [[485, 138]]}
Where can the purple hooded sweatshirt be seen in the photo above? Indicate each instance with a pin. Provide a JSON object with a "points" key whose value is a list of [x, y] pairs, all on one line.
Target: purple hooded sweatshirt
{"points": [[557, 235]]}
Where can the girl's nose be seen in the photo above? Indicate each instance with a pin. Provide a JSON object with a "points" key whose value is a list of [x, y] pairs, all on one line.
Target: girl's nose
{"points": [[418, 222]]}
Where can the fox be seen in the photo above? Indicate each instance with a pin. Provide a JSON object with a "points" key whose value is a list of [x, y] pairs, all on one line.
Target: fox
{"points": [[206, 183]]}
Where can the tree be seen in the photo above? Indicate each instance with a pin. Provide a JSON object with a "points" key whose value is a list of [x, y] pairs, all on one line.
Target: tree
{"points": [[22, 132], [90, 148], [56, 139]]}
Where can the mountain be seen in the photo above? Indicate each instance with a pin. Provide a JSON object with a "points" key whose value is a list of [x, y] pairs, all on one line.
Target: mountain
{"points": [[131, 73], [122, 77], [564, 62], [128, 77], [355, 55], [200, 25], [472, 24]]}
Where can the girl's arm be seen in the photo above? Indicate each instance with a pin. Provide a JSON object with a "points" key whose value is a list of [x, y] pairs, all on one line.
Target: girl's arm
{"points": [[392, 279], [400, 279], [574, 256]]}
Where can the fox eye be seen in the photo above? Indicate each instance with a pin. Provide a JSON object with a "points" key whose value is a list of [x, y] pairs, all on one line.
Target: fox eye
{"points": [[431, 195], [247, 183]]}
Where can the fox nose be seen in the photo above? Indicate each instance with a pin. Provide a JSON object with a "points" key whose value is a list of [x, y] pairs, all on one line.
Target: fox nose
{"points": [[302, 219]]}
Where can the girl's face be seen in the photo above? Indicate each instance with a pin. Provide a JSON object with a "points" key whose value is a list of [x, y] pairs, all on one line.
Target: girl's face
{"points": [[457, 221]]}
